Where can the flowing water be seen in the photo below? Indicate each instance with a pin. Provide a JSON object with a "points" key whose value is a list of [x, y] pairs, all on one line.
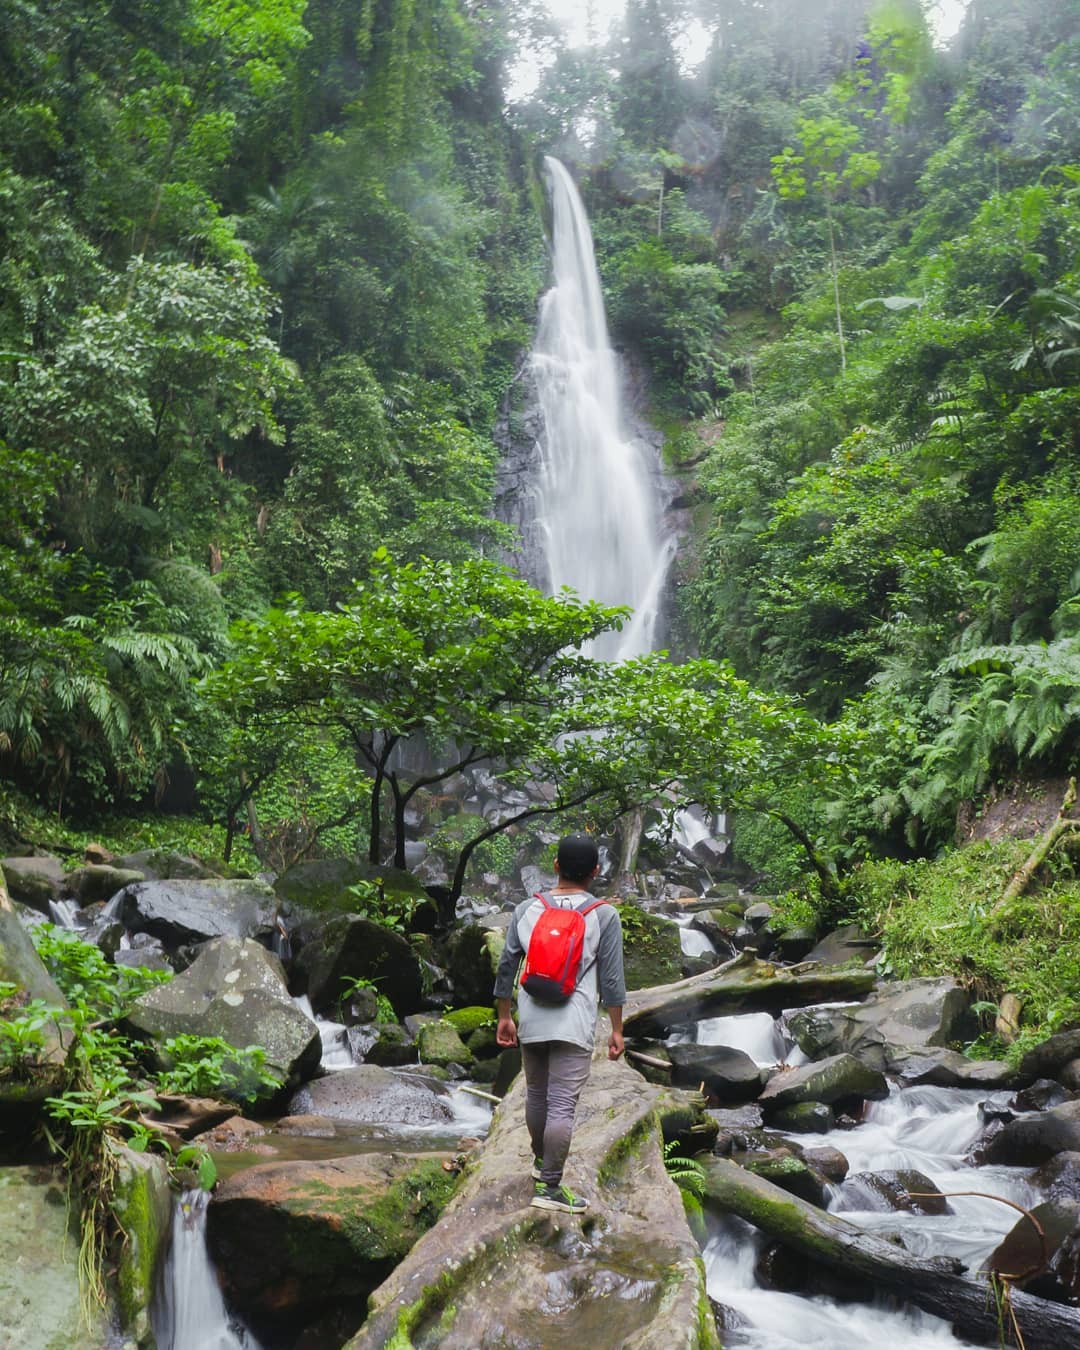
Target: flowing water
{"points": [[190, 1313], [599, 490]]}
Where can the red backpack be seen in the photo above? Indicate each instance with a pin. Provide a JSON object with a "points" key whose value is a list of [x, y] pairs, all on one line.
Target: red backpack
{"points": [[553, 961]]}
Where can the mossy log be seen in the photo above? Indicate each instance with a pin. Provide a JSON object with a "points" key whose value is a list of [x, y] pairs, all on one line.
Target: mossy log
{"points": [[494, 1271], [742, 985], [934, 1284]]}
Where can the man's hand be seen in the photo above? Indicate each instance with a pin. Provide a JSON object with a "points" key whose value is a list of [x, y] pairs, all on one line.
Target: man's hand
{"points": [[615, 1045], [506, 1032]]}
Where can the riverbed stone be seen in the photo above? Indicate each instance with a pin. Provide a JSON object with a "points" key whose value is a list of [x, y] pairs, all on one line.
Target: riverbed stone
{"points": [[473, 953], [941, 1067], [1047, 1264], [905, 1189], [34, 881], [39, 1282], [791, 1173], [439, 1043], [371, 1095], [1032, 1139], [179, 912], [349, 947], [1059, 1179], [838, 1079], [804, 1118], [392, 1046], [848, 943], [234, 989], [141, 1201], [830, 1162], [730, 1076], [300, 1245]]}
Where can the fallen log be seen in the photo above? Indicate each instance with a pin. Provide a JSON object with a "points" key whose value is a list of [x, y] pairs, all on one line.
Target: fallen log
{"points": [[1064, 824], [934, 1284], [742, 985], [495, 1272]]}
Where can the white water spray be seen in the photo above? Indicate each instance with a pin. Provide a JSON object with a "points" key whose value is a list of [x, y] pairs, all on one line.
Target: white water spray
{"points": [[598, 497]]}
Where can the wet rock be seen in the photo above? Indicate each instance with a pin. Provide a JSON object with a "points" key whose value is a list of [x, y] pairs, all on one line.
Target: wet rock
{"points": [[736, 1129], [439, 1043], [312, 892], [1047, 1058], [652, 950], [235, 989], [34, 881], [1059, 1179], [758, 914], [830, 1162], [1041, 1095], [307, 1127], [895, 1020], [1033, 1139], [39, 1281], [392, 1046], [141, 1201], [804, 1118], [372, 1096], [300, 1243], [790, 1173], [350, 947], [186, 911], [838, 1079], [1046, 1265], [100, 881], [941, 1067], [793, 944], [905, 1190], [188, 1116], [849, 943], [730, 1076]]}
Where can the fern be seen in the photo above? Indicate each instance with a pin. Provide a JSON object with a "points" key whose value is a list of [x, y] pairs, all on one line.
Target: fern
{"points": [[686, 1173]]}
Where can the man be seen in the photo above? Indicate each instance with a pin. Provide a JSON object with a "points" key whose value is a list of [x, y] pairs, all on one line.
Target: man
{"points": [[557, 1038]]}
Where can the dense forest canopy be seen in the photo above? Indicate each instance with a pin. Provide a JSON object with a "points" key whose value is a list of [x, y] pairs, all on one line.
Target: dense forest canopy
{"points": [[269, 271]]}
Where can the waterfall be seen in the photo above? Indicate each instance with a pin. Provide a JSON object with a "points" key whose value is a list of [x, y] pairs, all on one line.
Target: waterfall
{"points": [[598, 498], [190, 1313]]}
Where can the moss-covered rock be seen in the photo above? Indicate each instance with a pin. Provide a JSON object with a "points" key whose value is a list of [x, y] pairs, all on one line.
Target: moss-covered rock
{"points": [[142, 1203], [467, 1020], [652, 950], [350, 947], [439, 1043], [322, 887], [294, 1239]]}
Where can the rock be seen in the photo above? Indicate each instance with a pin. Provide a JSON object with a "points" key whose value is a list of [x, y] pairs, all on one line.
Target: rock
{"points": [[39, 1280], [142, 1201], [940, 1067], [838, 1079], [30, 1079], [1048, 1266], [804, 1118], [1031, 1140], [793, 944], [392, 1046], [162, 864], [1048, 1057], [371, 1096], [439, 1043], [895, 1018], [830, 1162], [652, 949], [472, 957], [730, 1076], [468, 1020], [351, 947], [307, 1127], [321, 888], [842, 945], [234, 989], [233, 1135], [1041, 1095], [189, 1116], [792, 1174], [302, 1244], [758, 914], [1069, 1075], [185, 911], [736, 1127], [146, 952], [98, 853], [100, 881], [1059, 1179], [34, 881], [905, 1190]]}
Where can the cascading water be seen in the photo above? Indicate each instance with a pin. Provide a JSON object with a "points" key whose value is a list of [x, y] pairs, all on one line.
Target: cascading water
{"points": [[598, 496]]}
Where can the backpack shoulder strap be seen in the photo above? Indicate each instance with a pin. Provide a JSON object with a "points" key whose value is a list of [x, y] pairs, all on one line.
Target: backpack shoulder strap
{"points": [[544, 900], [588, 909]]}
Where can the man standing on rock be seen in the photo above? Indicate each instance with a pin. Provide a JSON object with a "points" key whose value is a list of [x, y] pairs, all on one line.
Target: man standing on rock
{"points": [[557, 1037]]}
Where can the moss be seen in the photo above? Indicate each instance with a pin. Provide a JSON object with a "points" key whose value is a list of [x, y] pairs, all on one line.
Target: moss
{"points": [[708, 1338], [624, 1148], [466, 1020], [695, 1216], [142, 1206]]}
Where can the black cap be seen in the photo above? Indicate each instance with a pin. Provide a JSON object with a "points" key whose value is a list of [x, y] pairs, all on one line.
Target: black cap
{"points": [[577, 857]]}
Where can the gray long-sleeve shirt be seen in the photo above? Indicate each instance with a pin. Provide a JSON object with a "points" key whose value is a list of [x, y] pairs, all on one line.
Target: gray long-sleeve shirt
{"points": [[601, 973]]}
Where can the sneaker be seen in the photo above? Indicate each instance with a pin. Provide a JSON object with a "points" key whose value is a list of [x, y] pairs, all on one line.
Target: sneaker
{"points": [[558, 1197], [537, 1169]]}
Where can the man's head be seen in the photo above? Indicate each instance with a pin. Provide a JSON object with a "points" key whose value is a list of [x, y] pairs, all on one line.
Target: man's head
{"points": [[577, 858]]}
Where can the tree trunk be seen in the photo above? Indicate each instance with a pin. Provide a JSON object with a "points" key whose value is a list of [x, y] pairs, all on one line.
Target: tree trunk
{"points": [[933, 1284], [835, 283], [743, 985], [1061, 826]]}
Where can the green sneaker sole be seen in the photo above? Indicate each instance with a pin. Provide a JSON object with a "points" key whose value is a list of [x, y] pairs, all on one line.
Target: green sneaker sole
{"points": [[578, 1206]]}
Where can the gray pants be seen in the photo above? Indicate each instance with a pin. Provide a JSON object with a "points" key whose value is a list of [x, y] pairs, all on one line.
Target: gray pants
{"points": [[555, 1073]]}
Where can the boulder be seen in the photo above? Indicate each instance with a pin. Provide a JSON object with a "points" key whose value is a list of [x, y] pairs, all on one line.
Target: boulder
{"points": [[234, 989], [838, 1079], [163, 864], [784, 1169], [794, 944], [370, 1095], [895, 1019], [320, 889], [39, 1275], [439, 1043], [1033, 1139], [652, 949], [472, 957], [905, 1190], [186, 911], [1047, 1264], [392, 1045], [34, 881], [830, 1162], [142, 1201], [301, 1245], [1047, 1058], [804, 1118], [730, 1076], [351, 947], [940, 1067], [29, 1078], [146, 952], [842, 945], [1059, 1179], [100, 881]]}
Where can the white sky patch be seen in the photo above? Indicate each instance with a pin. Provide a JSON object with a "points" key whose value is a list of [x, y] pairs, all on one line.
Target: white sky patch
{"points": [[586, 23]]}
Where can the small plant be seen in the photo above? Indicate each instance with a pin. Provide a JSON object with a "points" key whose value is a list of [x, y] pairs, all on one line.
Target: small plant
{"points": [[84, 975], [194, 1158], [210, 1066], [351, 986], [394, 912], [685, 1172], [22, 1036]]}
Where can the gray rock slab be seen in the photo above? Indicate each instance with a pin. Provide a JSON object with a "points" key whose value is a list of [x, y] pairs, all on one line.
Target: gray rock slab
{"points": [[831, 1080], [371, 1095], [186, 911]]}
